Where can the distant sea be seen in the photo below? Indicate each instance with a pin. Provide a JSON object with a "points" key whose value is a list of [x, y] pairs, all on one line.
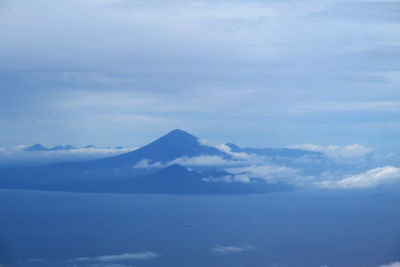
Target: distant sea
{"points": [[301, 228]]}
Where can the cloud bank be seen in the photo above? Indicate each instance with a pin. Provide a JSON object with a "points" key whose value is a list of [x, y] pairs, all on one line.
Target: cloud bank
{"points": [[354, 151], [393, 264], [371, 178], [17, 155]]}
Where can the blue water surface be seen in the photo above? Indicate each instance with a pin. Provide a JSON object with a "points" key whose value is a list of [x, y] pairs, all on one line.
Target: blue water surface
{"points": [[301, 228]]}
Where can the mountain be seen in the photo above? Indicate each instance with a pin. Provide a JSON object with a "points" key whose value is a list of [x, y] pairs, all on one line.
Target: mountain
{"points": [[39, 147], [36, 147], [174, 144], [274, 152], [120, 174]]}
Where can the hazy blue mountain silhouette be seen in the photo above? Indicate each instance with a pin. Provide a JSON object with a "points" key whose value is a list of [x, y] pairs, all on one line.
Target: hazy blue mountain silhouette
{"points": [[39, 147], [274, 152], [173, 145], [36, 147], [118, 174]]}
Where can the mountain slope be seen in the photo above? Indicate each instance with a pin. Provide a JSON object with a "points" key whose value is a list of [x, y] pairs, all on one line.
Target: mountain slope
{"points": [[36, 147], [174, 179], [173, 145]]}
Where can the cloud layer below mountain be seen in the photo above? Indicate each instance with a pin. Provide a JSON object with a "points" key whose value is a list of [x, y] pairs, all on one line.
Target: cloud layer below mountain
{"points": [[371, 178]]}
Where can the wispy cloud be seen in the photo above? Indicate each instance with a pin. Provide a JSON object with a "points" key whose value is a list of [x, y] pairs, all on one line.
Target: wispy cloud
{"points": [[226, 250], [203, 160], [146, 164], [338, 152], [268, 173], [372, 106], [117, 260], [241, 178], [147, 255], [393, 264], [226, 149], [16, 155], [221, 65]]}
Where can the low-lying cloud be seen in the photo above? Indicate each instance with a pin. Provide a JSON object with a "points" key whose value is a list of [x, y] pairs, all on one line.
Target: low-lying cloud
{"points": [[147, 255], [241, 178], [268, 173], [112, 260], [202, 160], [17, 155], [226, 250], [371, 178], [353, 151], [393, 264], [227, 150]]}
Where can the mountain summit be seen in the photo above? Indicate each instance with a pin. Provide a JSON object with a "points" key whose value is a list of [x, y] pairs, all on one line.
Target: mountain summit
{"points": [[36, 147], [174, 144]]}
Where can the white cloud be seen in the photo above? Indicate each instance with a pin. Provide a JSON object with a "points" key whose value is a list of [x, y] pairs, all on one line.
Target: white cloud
{"points": [[145, 164], [75, 151], [338, 152], [240, 170], [371, 178], [147, 255], [227, 150], [222, 43], [393, 264], [202, 160], [225, 250], [16, 155], [228, 179], [384, 106], [269, 173]]}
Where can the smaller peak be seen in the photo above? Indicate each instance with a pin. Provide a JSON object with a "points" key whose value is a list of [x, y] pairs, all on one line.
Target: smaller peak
{"points": [[36, 147], [232, 146], [175, 168]]}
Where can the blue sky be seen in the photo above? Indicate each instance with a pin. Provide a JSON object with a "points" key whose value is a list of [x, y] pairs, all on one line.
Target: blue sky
{"points": [[259, 73]]}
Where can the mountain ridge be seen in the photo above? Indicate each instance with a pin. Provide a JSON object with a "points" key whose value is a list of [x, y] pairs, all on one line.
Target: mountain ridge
{"points": [[119, 174]]}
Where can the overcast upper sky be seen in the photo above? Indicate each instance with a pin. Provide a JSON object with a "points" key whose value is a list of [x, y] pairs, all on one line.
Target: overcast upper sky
{"points": [[260, 73]]}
